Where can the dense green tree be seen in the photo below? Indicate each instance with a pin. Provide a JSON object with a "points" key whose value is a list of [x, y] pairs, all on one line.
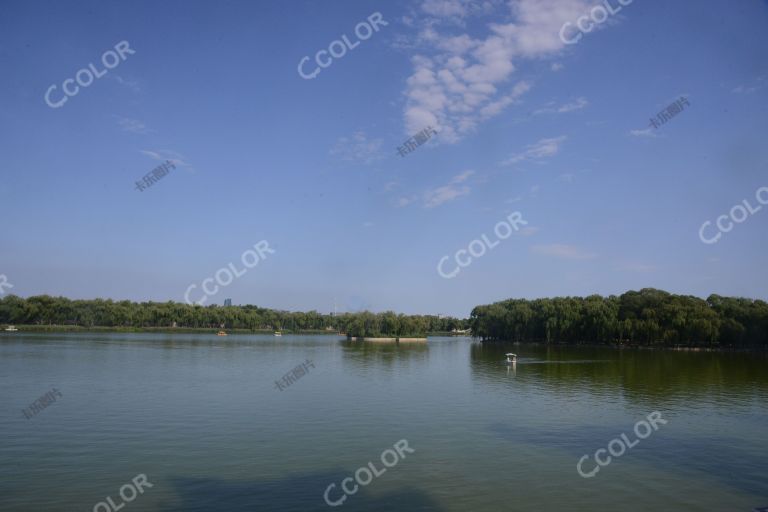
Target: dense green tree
{"points": [[645, 317], [47, 310]]}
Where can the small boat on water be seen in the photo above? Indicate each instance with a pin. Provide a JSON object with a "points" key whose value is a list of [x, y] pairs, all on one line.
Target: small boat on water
{"points": [[221, 333], [278, 333], [511, 358], [11, 328]]}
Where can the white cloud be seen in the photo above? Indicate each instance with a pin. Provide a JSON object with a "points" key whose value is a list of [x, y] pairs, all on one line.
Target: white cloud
{"points": [[390, 186], [131, 84], [460, 178], [563, 251], [358, 148], [495, 107], [440, 195], [162, 155], [542, 149], [133, 125], [574, 105], [556, 66], [444, 8], [405, 201], [748, 89], [459, 81], [449, 192], [455, 11], [578, 104], [648, 132]]}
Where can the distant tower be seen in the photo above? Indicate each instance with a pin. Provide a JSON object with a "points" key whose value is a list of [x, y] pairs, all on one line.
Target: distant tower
{"points": [[227, 302]]}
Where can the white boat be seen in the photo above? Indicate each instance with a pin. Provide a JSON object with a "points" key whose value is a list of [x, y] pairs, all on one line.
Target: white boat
{"points": [[511, 358], [278, 333], [11, 328]]}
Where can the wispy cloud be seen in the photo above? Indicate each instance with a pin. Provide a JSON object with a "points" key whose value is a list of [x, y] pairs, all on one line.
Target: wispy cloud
{"points": [[405, 201], [133, 125], [131, 84], [460, 178], [756, 85], [459, 81], [579, 104], [390, 186], [544, 148], [162, 155], [572, 106], [455, 11], [449, 192], [647, 132], [358, 148], [444, 8], [568, 252]]}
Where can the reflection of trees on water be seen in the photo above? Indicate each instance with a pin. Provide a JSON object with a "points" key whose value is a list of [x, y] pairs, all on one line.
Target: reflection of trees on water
{"points": [[734, 462], [109, 341], [223, 342], [656, 376], [297, 493], [366, 354]]}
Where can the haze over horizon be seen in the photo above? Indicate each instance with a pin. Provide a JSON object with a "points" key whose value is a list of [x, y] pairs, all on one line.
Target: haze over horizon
{"points": [[526, 123]]}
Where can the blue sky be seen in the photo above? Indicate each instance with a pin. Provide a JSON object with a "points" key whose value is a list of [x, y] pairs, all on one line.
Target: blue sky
{"points": [[525, 123]]}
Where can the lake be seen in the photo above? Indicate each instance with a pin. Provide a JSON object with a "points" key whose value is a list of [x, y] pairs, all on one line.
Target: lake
{"points": [[204, 419]]}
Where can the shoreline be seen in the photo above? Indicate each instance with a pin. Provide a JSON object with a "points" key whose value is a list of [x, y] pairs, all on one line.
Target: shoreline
{"points": [[193, 330], [624, 346], [394, 340], [63, 329], [179, 330]]}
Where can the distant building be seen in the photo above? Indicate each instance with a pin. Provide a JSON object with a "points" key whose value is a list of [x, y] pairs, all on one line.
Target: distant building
{"points": [[227, 302]]}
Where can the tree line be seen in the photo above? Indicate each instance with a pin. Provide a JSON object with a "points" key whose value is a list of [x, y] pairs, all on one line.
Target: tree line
{"points": [[645, 317], [60, 311]]}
